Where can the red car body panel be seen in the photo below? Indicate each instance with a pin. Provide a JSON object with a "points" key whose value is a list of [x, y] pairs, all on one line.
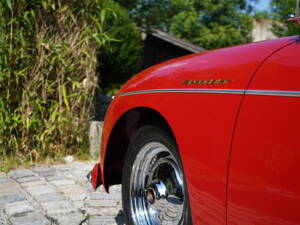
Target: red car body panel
{"points": [[236, 64], [264, 180], [202, 123]]}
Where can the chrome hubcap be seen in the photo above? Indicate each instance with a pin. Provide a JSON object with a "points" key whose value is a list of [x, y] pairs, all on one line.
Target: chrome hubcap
{"points": [[156, 187]]}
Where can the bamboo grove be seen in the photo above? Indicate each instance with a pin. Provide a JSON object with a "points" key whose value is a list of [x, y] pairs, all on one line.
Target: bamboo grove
{"points": [[47, 75]]}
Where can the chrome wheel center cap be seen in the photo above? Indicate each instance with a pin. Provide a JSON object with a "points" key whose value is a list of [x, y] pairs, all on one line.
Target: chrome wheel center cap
{"points": [[157, 191], [150, 196]]}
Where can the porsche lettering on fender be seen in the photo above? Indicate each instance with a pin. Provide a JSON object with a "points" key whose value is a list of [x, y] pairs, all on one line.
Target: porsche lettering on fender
{"points": [[201, 82]]}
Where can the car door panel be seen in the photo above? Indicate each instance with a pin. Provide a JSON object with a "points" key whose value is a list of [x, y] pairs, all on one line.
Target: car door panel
{"points": [[264, 177]]}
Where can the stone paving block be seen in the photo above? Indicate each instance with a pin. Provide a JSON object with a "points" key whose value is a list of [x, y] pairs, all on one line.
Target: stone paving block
{"points": [[44, 171], [9, 188], [3, 219], [106, 220], [31, 181], [49, 197], [79, 204], [103, 211], [20, 207], [52, 178], [83, 166], [62, 182], [88, 187], [74, 218], [3, 179], [102, 203], [80, 173], [30, 219], [101, 195], [8, 185], [62, 167], [77, 197], [100, 189], [4, 199], [80, 179], [66, 174], [72, 189], [115, 189], [41, 189], [15, 174], [58, 207], [28, 179], [61, 192]]}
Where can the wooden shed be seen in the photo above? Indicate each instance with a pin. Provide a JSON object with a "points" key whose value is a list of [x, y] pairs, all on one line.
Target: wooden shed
{"points": [[160, 46]]}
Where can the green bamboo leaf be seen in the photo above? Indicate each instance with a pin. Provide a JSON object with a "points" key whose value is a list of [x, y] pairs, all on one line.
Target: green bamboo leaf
{"points": [[97, 39], [53, 116], [8, 2], [102, 16], [22, 38], [64, 92]]}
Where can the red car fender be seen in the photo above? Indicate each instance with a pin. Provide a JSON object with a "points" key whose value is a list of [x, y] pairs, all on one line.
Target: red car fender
{"points": [[194, 117]]}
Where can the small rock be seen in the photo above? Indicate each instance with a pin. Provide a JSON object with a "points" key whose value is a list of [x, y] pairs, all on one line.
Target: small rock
{"points": [[69, 159]]}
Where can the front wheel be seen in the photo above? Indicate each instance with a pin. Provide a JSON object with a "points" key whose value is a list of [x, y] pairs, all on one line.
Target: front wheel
{"points": [[154, 190]]}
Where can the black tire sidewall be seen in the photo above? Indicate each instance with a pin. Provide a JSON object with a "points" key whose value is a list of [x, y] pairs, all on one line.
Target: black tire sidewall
{"points": [[143, 136]]}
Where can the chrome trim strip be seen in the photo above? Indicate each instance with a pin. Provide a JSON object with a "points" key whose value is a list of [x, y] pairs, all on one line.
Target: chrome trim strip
{"points": [[217, 91], [274, 93], [185, 90]]}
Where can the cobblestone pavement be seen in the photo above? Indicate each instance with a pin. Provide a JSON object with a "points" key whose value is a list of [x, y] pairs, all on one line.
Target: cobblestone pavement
{"points": [[56, 195]]}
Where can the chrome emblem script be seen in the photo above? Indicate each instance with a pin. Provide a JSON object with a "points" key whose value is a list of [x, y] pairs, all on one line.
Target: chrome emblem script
{"points": [[203, 82]]}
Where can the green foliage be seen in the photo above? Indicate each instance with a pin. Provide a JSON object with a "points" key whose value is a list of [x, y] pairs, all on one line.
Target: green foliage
{"points": [[262, 15], [112, 89], [120, 59], [207, 23], [155, 13], [47, 75], [215, 32], [281, 11]]}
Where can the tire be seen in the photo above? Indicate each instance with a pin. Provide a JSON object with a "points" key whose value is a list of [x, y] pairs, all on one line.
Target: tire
{"points": [[154, 190]]}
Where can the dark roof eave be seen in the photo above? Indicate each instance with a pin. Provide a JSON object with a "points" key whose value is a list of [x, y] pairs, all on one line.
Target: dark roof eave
{"points": [[176, 41]]}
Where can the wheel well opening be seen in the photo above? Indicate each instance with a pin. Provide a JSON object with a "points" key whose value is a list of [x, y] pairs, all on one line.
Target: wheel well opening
{"points": [[120, 137]]}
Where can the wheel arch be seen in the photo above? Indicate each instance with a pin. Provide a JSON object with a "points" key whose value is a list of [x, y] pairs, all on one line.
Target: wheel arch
{"points": [[123, 131]]}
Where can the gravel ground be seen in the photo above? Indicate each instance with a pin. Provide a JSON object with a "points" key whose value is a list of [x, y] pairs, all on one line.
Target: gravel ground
{"points": [[57, 195]]}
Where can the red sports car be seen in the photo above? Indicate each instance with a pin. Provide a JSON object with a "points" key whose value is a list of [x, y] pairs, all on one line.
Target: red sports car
{"points": [[211, 138]]}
